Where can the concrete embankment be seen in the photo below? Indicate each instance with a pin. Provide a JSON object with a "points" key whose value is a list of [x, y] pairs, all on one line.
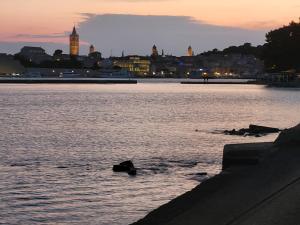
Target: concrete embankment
{"points": [[259, 184], [66, 81]]}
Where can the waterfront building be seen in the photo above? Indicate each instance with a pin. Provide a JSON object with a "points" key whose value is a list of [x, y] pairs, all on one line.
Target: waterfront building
{"points": [[74, 43], [233, 65], [164, 67], [137, 65]]}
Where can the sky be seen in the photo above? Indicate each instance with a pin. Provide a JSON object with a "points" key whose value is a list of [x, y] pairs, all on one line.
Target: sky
{"points": [[135, 25]]}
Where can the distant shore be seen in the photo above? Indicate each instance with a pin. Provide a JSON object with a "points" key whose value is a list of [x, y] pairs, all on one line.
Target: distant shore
{"points": [[122, 80], [55, 80]]}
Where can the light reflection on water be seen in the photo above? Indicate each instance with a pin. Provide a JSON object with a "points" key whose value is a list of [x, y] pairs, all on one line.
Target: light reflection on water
{"points": [[59, 142]]}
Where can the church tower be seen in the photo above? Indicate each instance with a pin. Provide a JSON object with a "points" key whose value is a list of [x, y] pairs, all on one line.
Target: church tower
{"points": [[92, 49], [154, 51], [190, 51], [74, 43]]}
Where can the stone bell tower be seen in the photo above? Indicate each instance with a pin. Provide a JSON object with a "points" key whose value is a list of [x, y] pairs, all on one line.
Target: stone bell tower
{"points": [[74, 43]]}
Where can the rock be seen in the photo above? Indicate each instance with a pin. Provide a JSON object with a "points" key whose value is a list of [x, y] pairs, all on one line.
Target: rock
{"points": [[126, 166], [245, 154], [289, 137], [253, 130], [262, 129], [202, 174], [231, 132], [132, 172]]}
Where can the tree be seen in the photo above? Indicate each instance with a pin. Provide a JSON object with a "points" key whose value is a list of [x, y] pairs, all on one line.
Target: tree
{"points": [[245, 49], [58, 52], [282, 48]]}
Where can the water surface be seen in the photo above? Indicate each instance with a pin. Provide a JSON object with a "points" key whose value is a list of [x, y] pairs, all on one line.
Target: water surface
{"points": [[58, 144]]}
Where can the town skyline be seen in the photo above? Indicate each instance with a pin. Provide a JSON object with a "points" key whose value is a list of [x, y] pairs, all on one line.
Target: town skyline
{"points": [[116, 26]]}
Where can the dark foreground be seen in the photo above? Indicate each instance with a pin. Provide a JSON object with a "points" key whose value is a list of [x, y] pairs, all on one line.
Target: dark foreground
{"points": [[260, 184]]}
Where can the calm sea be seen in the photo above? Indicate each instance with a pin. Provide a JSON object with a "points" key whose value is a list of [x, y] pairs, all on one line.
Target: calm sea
{"points": [[58, 144]]}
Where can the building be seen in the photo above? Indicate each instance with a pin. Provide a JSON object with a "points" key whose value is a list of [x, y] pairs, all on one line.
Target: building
{"points": [[28, 51], [94, 58], [34, 54], [74, 43], [136, 65], [92, 49], [9, 66], [190, 51], [233, 65], [165, 66], [154, 51], [95, 55]]}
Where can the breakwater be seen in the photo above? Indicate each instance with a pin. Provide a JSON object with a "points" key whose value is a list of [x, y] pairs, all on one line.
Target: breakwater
{"points": [[221, 82], [66, 81]]}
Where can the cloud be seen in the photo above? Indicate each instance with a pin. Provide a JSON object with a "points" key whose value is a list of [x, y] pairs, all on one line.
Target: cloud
{"points": [[136, 34], [262, 25], [139, 1], [38, 36], [14, 47]]}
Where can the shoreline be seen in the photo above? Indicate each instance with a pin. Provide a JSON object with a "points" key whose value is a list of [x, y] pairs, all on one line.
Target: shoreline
{"points": [[260, 185], [13, 80]]}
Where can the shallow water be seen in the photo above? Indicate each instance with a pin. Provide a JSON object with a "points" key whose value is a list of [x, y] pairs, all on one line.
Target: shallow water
{"points": [[58, 144]]}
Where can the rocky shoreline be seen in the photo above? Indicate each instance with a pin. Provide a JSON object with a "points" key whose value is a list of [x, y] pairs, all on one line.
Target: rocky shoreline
{"points": [[259, 184]]}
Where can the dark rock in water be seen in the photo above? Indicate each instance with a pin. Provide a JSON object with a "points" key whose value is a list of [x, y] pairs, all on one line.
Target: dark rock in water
{"points": [[132, 172], [62, 167], [262, 129], [126, 166], [201, 174], [253, 130]]}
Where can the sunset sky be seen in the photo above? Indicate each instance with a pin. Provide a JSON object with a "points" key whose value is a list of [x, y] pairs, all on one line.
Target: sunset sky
{"points": [[45, 22]]}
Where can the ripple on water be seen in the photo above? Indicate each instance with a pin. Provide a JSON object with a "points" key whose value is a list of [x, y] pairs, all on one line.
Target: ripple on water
{"points": [[58, 144]]}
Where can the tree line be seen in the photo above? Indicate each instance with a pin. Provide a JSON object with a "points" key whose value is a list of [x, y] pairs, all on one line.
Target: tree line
{"points": [[281, 52]]}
